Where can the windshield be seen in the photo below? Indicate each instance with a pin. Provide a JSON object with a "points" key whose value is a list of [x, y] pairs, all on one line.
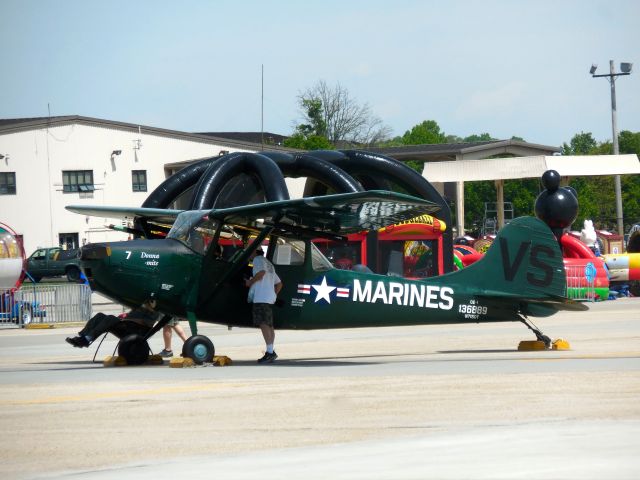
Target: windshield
{"points": [[195, 229]]}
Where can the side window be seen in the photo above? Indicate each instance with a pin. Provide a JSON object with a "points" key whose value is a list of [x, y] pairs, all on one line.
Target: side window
{"points": [[77, 181], [39, 254], [139, 180], [289, 252], [8, 183]]}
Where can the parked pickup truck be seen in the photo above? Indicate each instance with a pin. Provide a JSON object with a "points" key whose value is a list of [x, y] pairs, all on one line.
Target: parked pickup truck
{"points": [[54, 262]]}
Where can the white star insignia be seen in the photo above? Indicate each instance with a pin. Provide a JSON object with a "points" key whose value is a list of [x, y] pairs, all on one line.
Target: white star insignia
{"points": [[323, 290]]}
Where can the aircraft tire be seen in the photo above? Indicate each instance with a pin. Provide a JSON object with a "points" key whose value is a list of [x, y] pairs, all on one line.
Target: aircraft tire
{"points": [[134, 348], [199, 348]]}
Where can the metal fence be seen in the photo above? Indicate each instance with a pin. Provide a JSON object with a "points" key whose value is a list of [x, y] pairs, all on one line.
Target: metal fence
{"points": [[581, 283], [45, 304]]}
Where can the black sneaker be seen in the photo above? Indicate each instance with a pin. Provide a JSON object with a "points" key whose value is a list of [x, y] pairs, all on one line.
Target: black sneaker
{"points": [[268, 357], [78, 341], [166, 353]]}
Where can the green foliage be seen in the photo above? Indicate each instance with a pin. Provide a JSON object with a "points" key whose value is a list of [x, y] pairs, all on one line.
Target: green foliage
{"points": [[475, 196], [596, 199], [596, 195], [581, 144], [314, 114], [311, 135], [311, 142], [483, 137], [425, 132], [629, 142]]}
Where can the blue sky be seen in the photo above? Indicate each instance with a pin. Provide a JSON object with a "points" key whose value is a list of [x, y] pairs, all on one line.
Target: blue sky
{"points": [[502, 67]]}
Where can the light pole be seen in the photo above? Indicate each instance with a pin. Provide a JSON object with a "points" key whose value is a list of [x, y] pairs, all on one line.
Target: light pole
{"points": [[625, 69]]}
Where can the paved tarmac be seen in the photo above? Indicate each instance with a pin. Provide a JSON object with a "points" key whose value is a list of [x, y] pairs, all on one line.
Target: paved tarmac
{"points": [[407, 402]]}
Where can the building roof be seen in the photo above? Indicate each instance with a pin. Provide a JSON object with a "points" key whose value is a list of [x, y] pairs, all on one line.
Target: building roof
{"points": [[531, 167], [452, 151], [251, 137], [14, 125], [273, 141]]}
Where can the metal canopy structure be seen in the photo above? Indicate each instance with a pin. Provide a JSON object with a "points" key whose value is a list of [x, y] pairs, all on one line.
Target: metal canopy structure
{"points": [[500, 169]]}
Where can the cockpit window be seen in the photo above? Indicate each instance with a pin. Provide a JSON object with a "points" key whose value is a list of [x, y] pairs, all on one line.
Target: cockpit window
{"points": [[318, 261], [195, 229], [292, 252]]}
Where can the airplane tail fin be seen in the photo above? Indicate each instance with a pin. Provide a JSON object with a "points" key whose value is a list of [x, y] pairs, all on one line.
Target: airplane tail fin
{"points": [[524, 264]]}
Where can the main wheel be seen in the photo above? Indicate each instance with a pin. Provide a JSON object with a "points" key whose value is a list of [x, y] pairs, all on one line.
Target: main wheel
{"points": [[134, 348], [199, 348], [73, 274]]}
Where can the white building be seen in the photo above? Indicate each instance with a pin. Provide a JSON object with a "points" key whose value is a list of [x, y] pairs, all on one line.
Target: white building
{"points": [[49, 163]]}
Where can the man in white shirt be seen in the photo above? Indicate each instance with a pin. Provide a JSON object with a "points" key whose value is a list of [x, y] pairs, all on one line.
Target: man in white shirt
{"points": [[264, 286]]}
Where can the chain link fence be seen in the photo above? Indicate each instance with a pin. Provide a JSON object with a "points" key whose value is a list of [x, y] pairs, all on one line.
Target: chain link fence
{"points": [[45, 305]]}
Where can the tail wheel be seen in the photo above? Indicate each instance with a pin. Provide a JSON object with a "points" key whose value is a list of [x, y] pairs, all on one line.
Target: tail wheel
{"points": [[199, 348], [134, 348]]}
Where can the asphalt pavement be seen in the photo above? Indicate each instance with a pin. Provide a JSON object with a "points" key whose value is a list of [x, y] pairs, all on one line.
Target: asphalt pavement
{"points": [[405, 402]]}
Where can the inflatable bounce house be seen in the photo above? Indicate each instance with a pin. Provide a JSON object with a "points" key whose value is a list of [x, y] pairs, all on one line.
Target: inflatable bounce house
{"points": [[12, 259], [411, 249]]}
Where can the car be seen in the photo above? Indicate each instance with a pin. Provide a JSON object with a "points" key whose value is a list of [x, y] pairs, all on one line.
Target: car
{"points": [[54, 262], [19, 311]]}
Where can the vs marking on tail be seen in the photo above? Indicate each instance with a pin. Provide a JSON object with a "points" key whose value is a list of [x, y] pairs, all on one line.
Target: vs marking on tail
{"points": [[510, 269]]}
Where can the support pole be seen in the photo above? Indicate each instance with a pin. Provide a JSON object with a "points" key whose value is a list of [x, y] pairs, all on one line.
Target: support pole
{"points": [[500, 202], [460, 208], [616, 150]]}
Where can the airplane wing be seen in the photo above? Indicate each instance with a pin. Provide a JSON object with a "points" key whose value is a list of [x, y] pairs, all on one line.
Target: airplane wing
{"points": [[338, 214], [155, 215]]}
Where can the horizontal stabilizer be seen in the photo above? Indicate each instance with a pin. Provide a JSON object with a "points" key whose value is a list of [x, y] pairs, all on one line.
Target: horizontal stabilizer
{"points": [[558, 303]]}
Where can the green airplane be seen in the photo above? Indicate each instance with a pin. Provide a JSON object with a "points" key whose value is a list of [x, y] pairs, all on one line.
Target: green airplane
{"points": [[197, 271]]}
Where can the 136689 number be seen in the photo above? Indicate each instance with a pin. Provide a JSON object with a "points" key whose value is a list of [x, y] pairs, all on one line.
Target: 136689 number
{"points": [[472, 309]]}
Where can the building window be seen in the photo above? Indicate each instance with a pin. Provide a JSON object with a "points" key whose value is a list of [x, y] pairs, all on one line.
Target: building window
{"points": [[139, 180], [8, 183], [68, 241], [77, 181]]}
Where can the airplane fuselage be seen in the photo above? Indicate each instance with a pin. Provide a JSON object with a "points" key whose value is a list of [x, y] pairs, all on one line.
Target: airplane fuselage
{"points": [[167, 270]]}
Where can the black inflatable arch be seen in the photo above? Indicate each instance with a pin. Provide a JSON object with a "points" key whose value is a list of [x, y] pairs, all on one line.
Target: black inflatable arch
{"points": [[340, 171], [219, 173]]}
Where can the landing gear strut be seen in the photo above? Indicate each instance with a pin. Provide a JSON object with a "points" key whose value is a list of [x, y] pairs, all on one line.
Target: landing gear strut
{"points": [[539, 335]]}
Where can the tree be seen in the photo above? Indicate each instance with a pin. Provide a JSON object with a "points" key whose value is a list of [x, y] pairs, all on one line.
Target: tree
{"points": [[308, 142], [483, 137], [596, 194], [629, 142], [581, 144], [343, 118], [310, 135], [425, 132]]}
